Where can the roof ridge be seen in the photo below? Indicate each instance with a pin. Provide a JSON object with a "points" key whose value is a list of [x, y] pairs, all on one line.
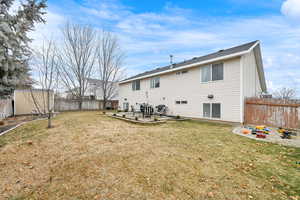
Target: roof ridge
{"points": [[216, 54]]}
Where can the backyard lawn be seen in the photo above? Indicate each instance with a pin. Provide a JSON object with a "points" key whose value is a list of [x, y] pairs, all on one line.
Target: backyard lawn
{"points": [[90, 156]]}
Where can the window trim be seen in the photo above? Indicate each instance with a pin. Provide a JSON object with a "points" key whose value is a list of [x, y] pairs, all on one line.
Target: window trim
{"points": [[181, 102], [210, 110], [184, 102], [154, 81], [133, 85], [211, 71]]}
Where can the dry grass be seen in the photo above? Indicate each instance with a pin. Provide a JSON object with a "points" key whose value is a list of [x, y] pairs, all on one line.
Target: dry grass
{"points": [[90, 156]]}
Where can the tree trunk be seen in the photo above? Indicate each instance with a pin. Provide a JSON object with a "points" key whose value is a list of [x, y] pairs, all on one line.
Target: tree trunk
{"points": [[104, 103], [49, 120], [80, 103], [49, 109]]}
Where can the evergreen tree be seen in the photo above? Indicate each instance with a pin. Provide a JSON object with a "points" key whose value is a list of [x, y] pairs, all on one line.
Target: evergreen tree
{"points": [[14, 42]]}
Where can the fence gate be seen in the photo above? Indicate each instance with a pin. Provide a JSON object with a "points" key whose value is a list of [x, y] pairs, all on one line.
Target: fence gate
{"points": [[272, 112]]}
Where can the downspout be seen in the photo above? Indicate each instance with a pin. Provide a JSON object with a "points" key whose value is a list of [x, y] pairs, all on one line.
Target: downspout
{"points": [[242, 89]]}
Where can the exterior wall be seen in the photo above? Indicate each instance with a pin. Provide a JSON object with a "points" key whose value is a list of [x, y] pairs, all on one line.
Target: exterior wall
{"points": [[24, 103], [94, 89], [251, 86], [251, 83], [6, 109], [189, 87]]}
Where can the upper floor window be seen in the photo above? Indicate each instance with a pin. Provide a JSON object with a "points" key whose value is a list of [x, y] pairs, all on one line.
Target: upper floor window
{"points": [[182, 72], [212, 72], [155, 82], [136, 85]]}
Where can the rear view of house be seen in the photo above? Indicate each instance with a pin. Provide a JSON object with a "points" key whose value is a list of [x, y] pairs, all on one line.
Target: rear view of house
{"points": [[211, 87]]}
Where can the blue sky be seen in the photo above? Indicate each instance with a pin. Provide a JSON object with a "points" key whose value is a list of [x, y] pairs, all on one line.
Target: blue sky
{"points": [[149, 31]]}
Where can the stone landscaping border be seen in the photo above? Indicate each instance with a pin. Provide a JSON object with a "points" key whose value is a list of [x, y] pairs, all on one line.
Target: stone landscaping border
{"points": [[137, 121]]}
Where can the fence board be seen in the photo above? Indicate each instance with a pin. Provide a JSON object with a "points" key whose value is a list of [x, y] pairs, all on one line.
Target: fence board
{"points": [[272, 112], [73, 105], [6, 108]]}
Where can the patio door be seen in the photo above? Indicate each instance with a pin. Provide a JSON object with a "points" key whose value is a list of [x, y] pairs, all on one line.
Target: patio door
{"points": [[126, 106]]}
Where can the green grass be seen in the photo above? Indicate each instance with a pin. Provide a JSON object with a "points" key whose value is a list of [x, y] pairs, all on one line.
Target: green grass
{"points": [[90, 156]]}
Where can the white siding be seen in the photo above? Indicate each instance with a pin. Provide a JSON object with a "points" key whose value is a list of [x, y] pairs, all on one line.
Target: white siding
{"points": [[251, 83], [189, 87]]}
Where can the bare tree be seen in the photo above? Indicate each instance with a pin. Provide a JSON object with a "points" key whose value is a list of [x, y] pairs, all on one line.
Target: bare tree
{"points": [[45, 65], [109, 64], [76, 58], [285, 93]]}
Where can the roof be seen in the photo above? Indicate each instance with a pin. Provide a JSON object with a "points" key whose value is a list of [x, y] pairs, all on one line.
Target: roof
{"points": [[224, 53], [97, 82]]}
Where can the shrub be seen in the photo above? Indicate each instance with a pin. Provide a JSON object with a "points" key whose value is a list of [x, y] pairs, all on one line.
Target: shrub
{"points": [[104, 112], [155, 119], [136, 118], [114, 114], [123, 116], [177, 117]]}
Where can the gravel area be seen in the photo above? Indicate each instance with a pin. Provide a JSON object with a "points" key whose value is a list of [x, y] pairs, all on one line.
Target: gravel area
{"points": [[273, 137]]}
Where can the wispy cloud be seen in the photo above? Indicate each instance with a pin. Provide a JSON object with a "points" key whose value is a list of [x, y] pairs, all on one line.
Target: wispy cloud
{"points": [[149, 37]]}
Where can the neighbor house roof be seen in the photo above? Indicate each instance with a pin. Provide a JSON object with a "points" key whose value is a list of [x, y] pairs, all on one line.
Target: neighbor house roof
{"points": [[97, 82], [219, 55]]}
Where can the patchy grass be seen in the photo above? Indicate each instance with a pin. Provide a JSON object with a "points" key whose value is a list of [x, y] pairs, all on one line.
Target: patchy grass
{"points": [[90, 156]]}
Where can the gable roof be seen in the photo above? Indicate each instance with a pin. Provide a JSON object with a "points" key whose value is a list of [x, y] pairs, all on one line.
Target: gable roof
{"points": [[219, 55]]}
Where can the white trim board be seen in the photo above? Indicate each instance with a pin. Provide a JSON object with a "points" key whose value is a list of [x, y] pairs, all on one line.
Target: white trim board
{"points": [[194, 64]]}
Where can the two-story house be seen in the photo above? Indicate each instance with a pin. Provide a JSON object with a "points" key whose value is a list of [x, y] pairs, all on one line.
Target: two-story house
{"points": [[94, 89], [213, 86]]}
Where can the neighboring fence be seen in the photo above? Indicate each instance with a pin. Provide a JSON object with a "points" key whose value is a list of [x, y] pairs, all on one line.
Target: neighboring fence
{"points": [[72, 105], [6, 108], [272, 112]]}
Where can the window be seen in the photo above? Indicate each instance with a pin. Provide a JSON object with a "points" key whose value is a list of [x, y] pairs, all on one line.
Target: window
{"points": [[212, 72], [217, 72], [206, 110], [216, 110], [181, 102], [136, 85], [206, 74], [212, 110], [184, 72], [155, 82]]}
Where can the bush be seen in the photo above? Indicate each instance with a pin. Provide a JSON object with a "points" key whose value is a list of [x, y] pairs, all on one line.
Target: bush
{"points": [[114, 114], [124, 116], [155, 119], [136, 118], [177, 117], [104, 112]]}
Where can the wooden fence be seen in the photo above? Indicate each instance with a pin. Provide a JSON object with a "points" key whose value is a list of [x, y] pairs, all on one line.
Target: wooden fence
{"points": [[73, 105], [6, 108], [272, 112]]}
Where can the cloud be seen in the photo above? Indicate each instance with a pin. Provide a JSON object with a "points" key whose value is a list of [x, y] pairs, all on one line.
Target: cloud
{"points": [[149, 38], [291, 9], [48, 31]]}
